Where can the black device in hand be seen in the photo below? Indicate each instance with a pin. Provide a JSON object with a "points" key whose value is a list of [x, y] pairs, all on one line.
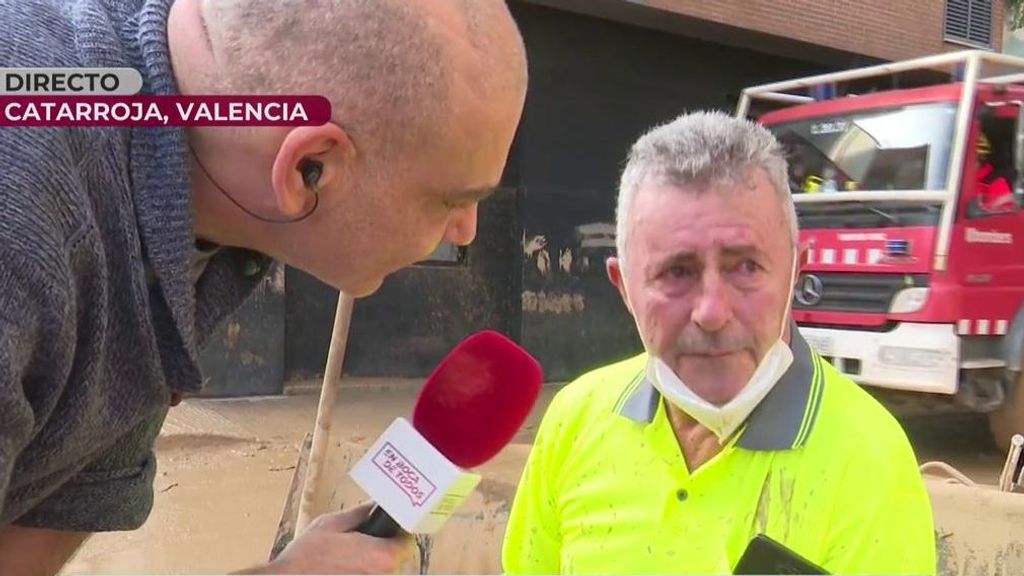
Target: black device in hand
{"points": [[766, 556], [379, 524]]}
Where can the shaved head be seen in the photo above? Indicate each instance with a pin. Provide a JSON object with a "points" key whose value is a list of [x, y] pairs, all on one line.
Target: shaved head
{"points": [[426, 100], [389, 67]]}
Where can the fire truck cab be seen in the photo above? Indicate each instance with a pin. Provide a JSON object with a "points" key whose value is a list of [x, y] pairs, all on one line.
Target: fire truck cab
{"points": [[911, 210]]}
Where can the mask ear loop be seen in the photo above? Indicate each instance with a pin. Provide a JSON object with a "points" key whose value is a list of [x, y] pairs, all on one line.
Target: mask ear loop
{"points": [[789, 299], [629, 307]]}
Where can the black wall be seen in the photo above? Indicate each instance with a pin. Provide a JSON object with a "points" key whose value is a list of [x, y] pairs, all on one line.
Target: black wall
{"points": [[245, 355], [595, 86], [419, 314]]}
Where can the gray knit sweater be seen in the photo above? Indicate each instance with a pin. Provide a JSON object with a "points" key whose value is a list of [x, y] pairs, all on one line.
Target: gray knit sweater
{"points": [[89, 351]]}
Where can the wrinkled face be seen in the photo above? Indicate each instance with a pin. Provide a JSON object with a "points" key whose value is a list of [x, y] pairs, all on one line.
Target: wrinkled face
{"points": [[707, 277], [378, 225]]}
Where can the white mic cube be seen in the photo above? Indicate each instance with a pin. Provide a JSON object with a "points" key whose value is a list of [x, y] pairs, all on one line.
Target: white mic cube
{"points": [[411, 480]]}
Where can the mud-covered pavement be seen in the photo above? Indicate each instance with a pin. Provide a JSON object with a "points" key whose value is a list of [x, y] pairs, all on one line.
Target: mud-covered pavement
{"points": [[225, 468]]}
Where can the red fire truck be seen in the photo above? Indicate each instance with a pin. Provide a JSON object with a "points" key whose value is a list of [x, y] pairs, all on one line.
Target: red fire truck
{"points": [[911, 209]]}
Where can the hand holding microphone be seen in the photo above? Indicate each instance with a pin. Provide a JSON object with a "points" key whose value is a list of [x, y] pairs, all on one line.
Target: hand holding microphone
{"points": [[468, 410], [331, 545]]}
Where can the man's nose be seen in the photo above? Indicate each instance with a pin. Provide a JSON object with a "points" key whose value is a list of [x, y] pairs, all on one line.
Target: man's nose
{"points": [[462, 227], [712, 310]]}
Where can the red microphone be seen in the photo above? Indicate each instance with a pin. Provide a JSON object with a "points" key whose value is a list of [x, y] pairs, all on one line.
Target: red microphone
{"points": [[469, 409]]}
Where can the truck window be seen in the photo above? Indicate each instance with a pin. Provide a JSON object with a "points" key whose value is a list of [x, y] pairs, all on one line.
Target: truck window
{"points": [[902, 148], [991, 179]]}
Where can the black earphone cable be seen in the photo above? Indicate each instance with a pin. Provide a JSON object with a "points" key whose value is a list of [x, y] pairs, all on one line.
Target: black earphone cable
{"points": [[316, 197]]}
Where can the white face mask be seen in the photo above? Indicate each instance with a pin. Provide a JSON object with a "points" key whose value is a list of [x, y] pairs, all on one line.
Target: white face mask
{"points": [[724, 420]]}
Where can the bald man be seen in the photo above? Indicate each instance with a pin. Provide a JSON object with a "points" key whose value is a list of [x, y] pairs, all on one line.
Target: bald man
{"points": [[121, 249]]}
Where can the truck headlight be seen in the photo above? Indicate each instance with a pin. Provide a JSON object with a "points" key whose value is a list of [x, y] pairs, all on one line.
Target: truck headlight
{"points": [[908, 300]]}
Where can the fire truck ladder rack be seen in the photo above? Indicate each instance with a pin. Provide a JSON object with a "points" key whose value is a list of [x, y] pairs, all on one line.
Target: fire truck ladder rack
{"points": [[969, 63], [972, 60]]}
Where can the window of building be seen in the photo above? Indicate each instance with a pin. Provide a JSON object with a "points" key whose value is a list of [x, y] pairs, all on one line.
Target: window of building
{"points": [[969, 22]]}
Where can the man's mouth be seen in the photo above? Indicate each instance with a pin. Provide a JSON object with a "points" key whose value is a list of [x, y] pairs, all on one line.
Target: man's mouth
{"points": [[714, 354]]}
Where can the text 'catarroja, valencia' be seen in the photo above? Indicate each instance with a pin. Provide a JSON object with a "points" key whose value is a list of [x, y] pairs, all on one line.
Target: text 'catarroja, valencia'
{"points": [[158, 111], [187, 112]]}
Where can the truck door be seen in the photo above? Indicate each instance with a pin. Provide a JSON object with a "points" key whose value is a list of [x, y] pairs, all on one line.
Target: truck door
{"points": [[988, 241]]}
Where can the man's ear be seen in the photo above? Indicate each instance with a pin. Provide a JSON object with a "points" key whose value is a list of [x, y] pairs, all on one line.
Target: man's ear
{"points": [[613, 267], [310, 159]]}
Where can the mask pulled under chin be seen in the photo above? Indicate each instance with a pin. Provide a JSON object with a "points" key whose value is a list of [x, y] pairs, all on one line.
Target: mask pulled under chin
{"points": [[725, 420]]}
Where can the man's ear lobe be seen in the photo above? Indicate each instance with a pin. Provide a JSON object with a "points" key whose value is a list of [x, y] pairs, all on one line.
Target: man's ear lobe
{"points": [[614, 271], [613, 267]]}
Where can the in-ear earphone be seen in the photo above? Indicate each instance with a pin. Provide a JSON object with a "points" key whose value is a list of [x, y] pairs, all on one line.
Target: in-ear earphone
{"points": [[311, 171]]}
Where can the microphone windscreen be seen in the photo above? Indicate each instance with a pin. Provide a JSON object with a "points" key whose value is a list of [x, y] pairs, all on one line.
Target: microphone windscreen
{"points": [[477, 398]]}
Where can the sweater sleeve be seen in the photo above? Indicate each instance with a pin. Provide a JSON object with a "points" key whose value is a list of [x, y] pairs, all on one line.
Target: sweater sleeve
{"points": [[114, 491], [105, 485], [73, 456], [16, 419]]}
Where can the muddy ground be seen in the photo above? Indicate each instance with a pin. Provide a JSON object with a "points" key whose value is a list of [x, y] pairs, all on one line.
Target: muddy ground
{"points": [[225, 467]]}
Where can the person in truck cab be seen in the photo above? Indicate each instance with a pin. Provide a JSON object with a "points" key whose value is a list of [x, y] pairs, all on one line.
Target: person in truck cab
{"points": [[994, 192]]}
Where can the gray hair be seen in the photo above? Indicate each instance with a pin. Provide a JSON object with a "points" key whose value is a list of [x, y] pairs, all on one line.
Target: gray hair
{"points": [[388, 66], [702, 150]]}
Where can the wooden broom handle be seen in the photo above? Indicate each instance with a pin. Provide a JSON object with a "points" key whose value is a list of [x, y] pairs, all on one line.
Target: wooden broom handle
{"points": [[325, 412]]}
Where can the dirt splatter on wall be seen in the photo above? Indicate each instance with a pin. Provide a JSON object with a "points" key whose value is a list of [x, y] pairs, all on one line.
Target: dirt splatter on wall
{"points": [[545, 303]]}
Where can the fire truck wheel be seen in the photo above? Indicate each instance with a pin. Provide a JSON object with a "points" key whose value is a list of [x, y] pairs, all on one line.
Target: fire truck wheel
{"points": [[1008, 419]]}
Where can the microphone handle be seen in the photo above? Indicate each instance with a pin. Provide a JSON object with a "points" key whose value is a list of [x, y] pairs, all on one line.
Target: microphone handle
{"points": [[380, 524]]}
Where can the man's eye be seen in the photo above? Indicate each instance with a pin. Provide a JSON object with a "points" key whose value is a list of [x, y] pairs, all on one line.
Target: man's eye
{"points": [[679, 272], [748, 267]]}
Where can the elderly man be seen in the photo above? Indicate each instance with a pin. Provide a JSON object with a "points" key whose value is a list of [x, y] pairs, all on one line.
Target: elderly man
{"points": [[729, 426], [121, 249]]}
